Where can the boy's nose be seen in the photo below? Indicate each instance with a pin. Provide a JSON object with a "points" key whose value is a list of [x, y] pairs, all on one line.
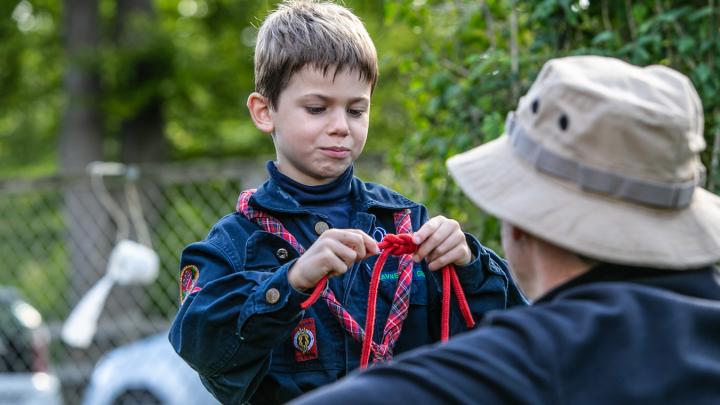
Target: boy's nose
{"points": [[339, 124]]}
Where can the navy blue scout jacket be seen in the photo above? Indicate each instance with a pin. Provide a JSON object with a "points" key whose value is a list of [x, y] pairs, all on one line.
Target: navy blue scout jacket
{"points": [[236, 330], [614, 335]]}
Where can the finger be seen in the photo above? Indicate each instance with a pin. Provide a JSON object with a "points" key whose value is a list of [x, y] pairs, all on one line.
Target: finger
{"points": [[426, 230], [353, 240], [336, 266], [453, 240], [345, 253], [453, 256], [370, 244], [421, 236], [358, 240], [443, 230]]}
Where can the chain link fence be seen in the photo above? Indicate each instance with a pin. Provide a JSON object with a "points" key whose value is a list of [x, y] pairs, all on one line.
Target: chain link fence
{"points": [[56, 238]]}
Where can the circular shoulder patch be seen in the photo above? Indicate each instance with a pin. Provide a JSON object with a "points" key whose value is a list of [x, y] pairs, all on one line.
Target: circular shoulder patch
{"points": [[188, 279]]}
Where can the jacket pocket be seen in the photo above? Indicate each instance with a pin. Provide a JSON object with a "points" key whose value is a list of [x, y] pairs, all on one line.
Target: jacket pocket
{"points": [[265, 251]]}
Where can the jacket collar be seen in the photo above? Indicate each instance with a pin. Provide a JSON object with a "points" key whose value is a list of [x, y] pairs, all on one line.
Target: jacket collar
{"points": [[271, 197], [689, 282]]}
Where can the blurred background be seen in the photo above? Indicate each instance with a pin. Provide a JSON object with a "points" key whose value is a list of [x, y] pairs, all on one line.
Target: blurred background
{"points": [[159, 86]]}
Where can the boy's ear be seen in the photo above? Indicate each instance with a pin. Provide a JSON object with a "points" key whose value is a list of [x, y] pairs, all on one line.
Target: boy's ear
{"points": [[259, 108]]}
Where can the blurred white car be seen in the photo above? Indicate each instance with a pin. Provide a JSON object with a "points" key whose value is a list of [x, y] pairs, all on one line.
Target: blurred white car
{"points": [[145, 372], [25, 377]]}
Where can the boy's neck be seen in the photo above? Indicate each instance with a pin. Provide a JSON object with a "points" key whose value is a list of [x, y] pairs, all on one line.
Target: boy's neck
{"points": [[337, 189]]}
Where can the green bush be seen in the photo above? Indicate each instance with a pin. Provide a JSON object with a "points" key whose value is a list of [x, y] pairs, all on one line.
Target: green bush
{"points": [[476, 58]]}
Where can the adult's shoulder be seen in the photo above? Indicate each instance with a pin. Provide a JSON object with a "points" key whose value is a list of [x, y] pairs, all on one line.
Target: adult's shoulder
{"points": [[566, 312], [582, 320]]}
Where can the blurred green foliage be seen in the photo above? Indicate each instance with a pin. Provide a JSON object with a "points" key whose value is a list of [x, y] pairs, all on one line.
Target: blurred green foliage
{"points": [[32, 233], [450, 71], [30, 79], [196, 57], [474, 59]]}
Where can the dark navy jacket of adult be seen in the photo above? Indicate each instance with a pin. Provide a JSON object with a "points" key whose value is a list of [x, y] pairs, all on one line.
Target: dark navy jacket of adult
{"points": [[611, 336], [237, 334]]}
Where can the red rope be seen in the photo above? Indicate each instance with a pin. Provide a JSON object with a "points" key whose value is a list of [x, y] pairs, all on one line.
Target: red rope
{"points": [[451, 280], [390, 245], [400, 245], [315, 294], [445, 308], [462, 301]]}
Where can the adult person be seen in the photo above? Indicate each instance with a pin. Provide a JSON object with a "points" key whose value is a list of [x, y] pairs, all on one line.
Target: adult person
{"points": [[605, 225]]}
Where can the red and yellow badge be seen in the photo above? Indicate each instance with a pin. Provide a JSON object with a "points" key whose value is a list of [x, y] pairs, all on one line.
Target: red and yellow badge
{"points": [[188, 280], [304, 340]]}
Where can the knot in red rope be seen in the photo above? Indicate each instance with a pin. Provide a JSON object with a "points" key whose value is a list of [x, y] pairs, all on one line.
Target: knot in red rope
{"points": [[401, 244], [397, 245]]}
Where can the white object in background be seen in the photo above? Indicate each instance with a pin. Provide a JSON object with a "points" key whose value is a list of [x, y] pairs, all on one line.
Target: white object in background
{"points": [[133, 263], [106, 169], [79, 329], [129, 263]]}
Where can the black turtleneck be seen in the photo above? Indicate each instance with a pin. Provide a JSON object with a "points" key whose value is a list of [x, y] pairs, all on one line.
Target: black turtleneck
{"points": [[331, 200]]}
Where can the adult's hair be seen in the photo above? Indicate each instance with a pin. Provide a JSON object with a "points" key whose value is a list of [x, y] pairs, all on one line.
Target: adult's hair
{"points": [[310, 33]]}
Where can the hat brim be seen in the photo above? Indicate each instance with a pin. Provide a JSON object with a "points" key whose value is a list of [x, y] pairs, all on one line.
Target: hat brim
{"points": [[588, 223]]}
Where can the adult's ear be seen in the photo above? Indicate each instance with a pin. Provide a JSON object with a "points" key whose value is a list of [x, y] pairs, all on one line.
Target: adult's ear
{"points": [[518, 233], [259, 107]]}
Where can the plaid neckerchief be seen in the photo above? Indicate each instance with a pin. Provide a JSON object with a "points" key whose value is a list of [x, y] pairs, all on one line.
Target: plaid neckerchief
{"points": [[267, 222], [401, 299]]}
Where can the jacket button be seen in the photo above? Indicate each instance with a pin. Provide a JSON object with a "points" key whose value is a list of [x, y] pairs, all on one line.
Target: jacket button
{"points": [[282, 254], [272, 296], [321, 226]]}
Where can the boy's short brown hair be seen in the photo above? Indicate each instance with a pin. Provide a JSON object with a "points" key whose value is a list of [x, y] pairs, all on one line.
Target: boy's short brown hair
{"points": [[307, 32]]}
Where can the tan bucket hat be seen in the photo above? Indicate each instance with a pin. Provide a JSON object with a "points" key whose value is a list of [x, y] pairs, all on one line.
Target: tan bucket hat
{"points": [[602, 158]]}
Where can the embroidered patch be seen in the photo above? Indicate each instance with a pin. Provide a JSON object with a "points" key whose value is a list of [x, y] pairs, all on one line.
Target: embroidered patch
{"points": [[379, 233], [188, 280], [304, 340]]}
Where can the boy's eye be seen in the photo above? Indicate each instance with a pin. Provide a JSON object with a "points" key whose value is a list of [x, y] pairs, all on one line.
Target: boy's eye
{"points": [[356, 113], [315, 110]]}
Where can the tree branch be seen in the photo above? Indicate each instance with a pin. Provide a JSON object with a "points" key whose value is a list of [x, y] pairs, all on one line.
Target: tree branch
{"points": [[606, 16], [514, 62], [490, 25], [630, 19]]}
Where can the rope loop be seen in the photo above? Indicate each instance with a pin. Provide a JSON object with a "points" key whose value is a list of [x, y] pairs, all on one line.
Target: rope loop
{"points": [[398, 245]]}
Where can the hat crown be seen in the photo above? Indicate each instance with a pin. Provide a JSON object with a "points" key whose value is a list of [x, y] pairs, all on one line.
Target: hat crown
{"points": [[603, 113], [602, 158]]}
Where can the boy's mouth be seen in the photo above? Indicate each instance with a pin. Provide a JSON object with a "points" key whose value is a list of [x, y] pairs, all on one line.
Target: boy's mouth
{"points": [[337, 152]]}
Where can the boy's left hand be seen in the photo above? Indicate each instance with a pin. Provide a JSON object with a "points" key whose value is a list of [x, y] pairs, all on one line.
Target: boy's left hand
{"points": [[441, 242]]}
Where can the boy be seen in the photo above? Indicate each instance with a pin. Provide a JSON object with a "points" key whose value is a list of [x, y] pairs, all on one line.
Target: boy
{"points": [[241, 325]]}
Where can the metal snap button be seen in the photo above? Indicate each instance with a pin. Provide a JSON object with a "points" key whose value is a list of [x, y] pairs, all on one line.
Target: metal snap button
{"points": [[272, 296], [321, 226], [282, 254]]}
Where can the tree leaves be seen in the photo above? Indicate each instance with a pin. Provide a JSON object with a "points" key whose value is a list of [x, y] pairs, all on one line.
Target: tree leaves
{"points": [[460, 98]]}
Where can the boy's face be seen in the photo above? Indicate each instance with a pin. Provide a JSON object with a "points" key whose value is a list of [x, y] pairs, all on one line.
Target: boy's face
{"points": [[320, 125]]}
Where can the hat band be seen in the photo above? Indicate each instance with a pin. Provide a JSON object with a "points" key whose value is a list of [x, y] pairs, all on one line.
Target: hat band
{"points": [[659, 195]]}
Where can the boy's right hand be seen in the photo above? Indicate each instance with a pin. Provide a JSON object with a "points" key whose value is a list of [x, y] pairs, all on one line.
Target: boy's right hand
{"points": [[332, 254]]}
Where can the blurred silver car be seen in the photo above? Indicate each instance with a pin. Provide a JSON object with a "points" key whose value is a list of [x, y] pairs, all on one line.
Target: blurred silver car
{"points": [[145, 372], [25, 377]]}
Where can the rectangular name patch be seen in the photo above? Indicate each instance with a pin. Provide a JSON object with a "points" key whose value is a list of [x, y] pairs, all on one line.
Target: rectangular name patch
{"points": [[305, 340]]}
